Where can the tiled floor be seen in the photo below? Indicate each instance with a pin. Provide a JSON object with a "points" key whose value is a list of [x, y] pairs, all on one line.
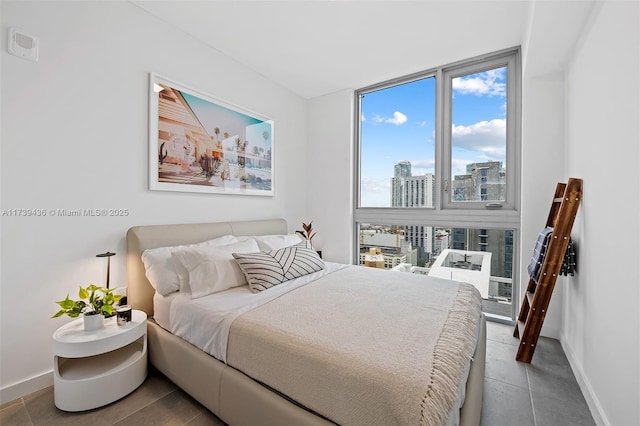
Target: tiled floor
{"points": [[544, 392]]}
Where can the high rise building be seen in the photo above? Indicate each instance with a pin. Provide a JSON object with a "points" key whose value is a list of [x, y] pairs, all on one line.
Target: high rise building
{"points": [[482, 182], [411, 191], [402, 169], [414, 191]]}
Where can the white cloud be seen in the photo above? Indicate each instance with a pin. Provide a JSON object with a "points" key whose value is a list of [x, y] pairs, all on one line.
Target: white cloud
{"points": [[397, 119], [486, 83], [487, 137]]}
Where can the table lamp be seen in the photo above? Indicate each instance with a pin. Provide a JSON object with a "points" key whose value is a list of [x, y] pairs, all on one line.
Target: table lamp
{"points": [[108, 256]]}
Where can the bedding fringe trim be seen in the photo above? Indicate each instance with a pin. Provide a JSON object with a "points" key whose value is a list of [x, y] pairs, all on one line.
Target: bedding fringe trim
{"points": [[450, 358]]}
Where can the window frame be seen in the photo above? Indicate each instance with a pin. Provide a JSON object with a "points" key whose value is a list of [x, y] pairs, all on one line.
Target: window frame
{"points": [[443, 213], [510, 60]]}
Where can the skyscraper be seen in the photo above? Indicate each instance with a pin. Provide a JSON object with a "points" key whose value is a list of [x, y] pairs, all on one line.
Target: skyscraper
{"points": [[414, 191], [411, 191], [482, 182]]}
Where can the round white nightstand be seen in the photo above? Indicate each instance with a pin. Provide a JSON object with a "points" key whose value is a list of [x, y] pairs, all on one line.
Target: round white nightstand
{"points": [[95, 368]]}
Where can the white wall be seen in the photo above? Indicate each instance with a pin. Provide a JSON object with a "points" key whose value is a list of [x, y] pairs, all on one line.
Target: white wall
{"points": [[330, 174], [601, 323], [542, 169], [75, 135], [553, 30]]}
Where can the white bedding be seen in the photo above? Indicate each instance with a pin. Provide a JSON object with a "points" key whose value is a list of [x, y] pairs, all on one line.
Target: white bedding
{"points": [[205, 321], [184, 316]]}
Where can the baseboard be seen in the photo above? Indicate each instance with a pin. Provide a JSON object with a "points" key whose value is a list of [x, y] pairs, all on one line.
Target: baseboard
{"points": [[549, 331], [585, 386], [18, 390]]}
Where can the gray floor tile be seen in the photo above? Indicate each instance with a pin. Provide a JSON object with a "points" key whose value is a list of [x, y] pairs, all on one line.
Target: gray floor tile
{"points": [[514, 393], [154, 388], [15, 414], [503, 333], [206, 418], [554, 412], [550, 373], [10, 404], [41, 407], [554, 386], [176, 408], [505, 405], [501, 365]]}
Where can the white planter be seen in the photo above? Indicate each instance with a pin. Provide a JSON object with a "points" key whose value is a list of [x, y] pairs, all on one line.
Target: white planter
{"points": [[93, 322]]}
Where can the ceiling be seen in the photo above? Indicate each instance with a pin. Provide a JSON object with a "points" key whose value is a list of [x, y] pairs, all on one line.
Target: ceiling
{"points": [[318, 47]]}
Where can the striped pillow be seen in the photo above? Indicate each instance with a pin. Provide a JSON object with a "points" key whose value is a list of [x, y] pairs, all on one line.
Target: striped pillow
{"points": [[269, 268]]}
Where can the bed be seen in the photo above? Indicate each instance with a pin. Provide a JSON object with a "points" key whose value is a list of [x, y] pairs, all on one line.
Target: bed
{"points": [[249, 391]]}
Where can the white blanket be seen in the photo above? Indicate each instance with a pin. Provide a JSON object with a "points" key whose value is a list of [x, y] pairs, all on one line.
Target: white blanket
{"points": [[363, 346], [371, 302], [205, 321]]}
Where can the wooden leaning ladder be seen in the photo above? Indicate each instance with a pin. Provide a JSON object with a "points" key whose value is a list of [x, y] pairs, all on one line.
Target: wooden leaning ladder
{"points": [[537, 297]]}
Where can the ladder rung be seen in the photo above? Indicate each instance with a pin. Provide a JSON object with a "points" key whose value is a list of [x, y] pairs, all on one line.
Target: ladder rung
{"points": [[518, 329], [530, 298]]}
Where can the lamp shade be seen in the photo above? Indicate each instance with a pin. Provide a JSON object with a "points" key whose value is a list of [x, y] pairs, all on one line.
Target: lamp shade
{"points": [[108, 256]]}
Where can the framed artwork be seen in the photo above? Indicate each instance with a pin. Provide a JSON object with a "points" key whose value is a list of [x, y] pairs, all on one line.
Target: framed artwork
{"points": [[198, 143]]}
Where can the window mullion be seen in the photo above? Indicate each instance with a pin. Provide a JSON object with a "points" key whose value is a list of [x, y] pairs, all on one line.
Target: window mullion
{"points": [[441, 168]]}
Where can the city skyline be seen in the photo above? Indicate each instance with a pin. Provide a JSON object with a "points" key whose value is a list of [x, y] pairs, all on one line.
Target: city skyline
{"points": [[398, 124]]}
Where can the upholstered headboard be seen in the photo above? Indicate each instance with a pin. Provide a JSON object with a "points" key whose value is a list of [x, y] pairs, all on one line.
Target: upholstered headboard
{"points": [[139, 238]]}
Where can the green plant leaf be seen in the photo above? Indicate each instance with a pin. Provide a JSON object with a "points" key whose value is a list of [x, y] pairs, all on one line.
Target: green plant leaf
{"points": [[93, 287], [66, 303], [83, 293], [93, 299]]}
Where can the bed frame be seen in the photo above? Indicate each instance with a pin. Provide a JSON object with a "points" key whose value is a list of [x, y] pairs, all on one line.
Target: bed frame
{"points": [[232, 396]]}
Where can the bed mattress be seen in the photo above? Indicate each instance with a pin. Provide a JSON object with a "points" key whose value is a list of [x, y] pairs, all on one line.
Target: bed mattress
{"points": [[208, 321]]}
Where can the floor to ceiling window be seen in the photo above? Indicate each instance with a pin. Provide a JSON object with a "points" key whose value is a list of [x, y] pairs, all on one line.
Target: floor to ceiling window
{"points": [[437, 174]]}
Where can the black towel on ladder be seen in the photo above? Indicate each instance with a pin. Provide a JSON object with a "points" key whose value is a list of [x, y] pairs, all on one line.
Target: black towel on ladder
{"points": [[540, 250]]}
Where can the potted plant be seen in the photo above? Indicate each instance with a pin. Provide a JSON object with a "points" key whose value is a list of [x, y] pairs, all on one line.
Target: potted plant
{"points": [[95, 303], [307, 234]]}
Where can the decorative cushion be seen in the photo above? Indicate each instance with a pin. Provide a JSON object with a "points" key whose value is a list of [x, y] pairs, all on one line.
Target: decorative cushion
{"points": [[264, 270], [212, 269], [161, 270], [276, 242]]}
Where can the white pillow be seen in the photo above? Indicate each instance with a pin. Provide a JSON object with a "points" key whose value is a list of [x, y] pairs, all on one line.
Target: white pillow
{"points": [[160, 268], [212, 269], [276, 242]]}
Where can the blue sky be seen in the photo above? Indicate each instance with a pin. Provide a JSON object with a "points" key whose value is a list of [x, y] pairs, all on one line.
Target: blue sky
{"points": [[212, 115], [398, 123]]}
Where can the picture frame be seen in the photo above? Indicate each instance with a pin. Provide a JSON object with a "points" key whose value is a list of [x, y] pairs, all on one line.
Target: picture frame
{"points": [[198, 143]]}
